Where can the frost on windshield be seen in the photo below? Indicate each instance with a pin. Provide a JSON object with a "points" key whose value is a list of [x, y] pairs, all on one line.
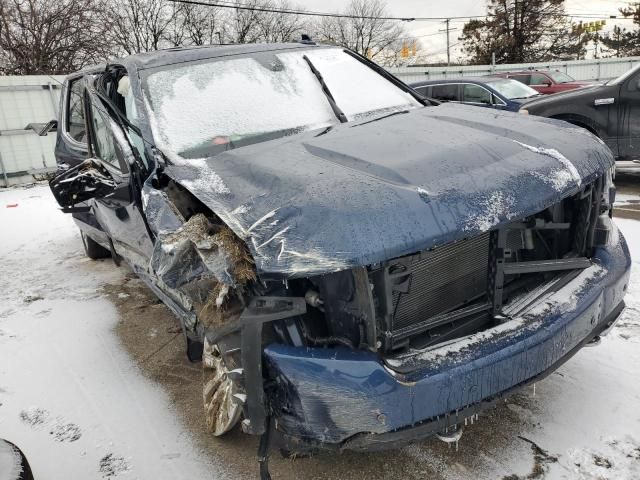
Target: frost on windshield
{"points": [[198, 110], [196, 104], [351, 83]]}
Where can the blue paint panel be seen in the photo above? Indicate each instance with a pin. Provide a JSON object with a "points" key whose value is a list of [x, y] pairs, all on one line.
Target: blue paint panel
{"points": [[333, 394]]}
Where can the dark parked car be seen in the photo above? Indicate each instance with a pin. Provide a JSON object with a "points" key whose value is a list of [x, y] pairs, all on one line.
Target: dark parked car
{"points": [[545, 81], [356, 268], [610, 111], [500, 93]]}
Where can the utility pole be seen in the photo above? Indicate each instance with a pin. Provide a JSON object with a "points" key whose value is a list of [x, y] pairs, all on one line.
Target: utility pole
{"points": [[448, 45], [448, 29]]}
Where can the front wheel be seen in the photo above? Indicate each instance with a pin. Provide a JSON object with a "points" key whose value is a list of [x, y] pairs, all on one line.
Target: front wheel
{"points": [[92, 248], [221, 410]]}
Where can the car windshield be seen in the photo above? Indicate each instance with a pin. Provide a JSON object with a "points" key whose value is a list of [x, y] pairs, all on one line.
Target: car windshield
{"points": [[512, 89], [560, 77], [199, 109]]}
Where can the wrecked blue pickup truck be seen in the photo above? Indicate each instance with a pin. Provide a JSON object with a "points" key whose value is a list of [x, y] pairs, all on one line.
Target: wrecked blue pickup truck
{"points": [[356, 266]]}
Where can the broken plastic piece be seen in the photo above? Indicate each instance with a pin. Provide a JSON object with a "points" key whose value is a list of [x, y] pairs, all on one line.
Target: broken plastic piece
{"points": [[219, 392]]}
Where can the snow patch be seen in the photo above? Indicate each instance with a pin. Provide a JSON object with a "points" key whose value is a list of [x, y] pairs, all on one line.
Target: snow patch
{"points": [[66, 432], [73, 353], [558, 179], [206, 179], [495, 207], [34, 416], [112, 465], [553, 153], [616, 459]]}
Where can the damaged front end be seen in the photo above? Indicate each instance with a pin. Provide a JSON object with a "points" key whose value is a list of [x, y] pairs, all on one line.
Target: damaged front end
{"points": [[347, 284], [372, 356]]}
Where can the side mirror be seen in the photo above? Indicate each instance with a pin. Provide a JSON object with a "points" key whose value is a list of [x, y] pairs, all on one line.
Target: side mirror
{"points": [[78, 184], [547, 84], [43, 128]]}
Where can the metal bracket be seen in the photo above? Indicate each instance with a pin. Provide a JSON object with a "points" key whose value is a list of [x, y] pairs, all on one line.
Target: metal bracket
{"points": [[364, 300], [495, 281], [546, 265], [260, 310]]}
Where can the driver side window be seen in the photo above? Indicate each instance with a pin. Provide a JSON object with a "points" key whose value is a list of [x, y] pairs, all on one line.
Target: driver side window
{"points": [[103, 143], [539, 79], [476, 94], [75, 112]]}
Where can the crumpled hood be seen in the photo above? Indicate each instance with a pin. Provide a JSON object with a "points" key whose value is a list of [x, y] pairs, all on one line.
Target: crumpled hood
{"points": [[363, 193]]}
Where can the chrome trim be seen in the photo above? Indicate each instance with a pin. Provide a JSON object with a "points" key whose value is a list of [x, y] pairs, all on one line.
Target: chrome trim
{"points": [[604, 101]]}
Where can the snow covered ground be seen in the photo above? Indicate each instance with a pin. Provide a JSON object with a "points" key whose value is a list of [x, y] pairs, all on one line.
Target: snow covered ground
{"points": [[78, 406], [70, 398]]}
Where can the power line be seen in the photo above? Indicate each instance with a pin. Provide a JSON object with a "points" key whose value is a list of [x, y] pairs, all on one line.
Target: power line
{"points": [[289, 11]]}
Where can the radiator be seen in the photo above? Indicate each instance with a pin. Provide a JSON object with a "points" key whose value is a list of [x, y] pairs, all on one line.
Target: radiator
{"points": [[442, 280]]}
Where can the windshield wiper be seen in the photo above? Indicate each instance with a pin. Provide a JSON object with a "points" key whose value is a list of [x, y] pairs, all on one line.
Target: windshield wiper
{"points": [[399, 112], [334, 106]]}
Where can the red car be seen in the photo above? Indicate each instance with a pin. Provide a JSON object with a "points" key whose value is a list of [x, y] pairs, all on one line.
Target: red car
{"points": [[545, 81]]}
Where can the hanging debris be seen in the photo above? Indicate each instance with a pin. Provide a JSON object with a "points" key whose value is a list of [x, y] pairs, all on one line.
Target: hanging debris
{"points": [[209, 264]]}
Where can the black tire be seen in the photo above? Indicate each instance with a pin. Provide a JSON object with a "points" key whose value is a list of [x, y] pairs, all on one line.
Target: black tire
{"points": [[93, 249], [6, 446]]}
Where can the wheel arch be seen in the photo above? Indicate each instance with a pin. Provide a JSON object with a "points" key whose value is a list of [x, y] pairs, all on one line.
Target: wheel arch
{"points": [[579, 121]]}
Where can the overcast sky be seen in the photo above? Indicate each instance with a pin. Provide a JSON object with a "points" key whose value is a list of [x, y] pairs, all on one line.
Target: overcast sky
{"points": [[434, 42]]}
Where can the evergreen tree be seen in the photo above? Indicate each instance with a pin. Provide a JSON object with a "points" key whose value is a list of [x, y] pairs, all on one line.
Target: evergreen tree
{"points": [[622, 42], [518, 31]]}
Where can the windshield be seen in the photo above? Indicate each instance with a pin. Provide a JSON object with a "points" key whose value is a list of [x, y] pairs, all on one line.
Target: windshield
{"points": [[560, 77], [200, 109], [512, 89]]}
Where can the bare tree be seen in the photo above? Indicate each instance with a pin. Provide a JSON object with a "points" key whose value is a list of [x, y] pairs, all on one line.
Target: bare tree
{"points": [[49, 37], [244, 23], [368, 33], [142, 25], [203, 25], [280, 27]]}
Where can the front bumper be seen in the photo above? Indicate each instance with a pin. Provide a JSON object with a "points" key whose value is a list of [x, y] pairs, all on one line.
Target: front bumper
{"points": [[354, 400]]}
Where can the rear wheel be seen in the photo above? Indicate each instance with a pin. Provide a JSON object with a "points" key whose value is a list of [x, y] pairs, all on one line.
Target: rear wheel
{"points": [[221, 409], [92, 248]]}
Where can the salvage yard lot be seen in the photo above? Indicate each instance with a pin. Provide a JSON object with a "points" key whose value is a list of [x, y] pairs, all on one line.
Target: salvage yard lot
{"points": [[94, 382]]}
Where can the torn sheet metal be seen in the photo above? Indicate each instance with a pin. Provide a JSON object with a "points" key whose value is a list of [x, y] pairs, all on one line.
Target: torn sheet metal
{"points": [[196, 262], [364, 193]]}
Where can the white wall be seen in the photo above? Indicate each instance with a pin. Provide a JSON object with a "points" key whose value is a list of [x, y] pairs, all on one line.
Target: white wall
{"points": [[602, 69], [23, 100]]}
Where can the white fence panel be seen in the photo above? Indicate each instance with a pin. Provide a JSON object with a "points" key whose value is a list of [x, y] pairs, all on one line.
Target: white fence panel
{"points": [[24, 100], [594, 70]]}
